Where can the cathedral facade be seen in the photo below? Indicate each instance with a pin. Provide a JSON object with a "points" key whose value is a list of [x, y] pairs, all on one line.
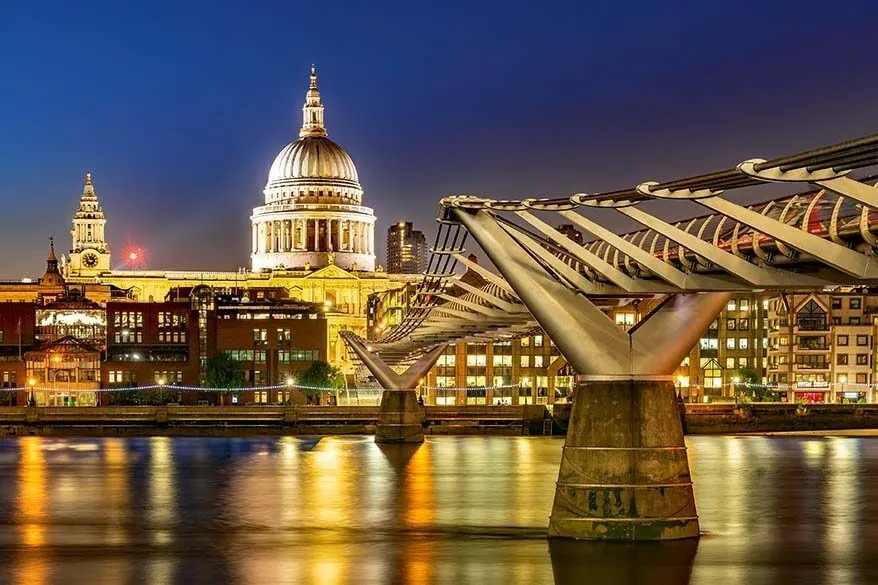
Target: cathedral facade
{"points": [[312, 237]]}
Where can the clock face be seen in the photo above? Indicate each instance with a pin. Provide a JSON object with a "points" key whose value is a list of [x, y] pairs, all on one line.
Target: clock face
{"points": [[89, 260]]}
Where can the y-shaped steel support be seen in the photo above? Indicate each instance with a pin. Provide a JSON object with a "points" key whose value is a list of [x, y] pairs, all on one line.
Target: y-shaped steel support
{"points": [[400, 418], [624, 473]]}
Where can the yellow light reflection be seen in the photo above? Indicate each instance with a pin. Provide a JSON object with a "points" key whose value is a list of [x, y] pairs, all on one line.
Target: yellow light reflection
{"points": [[814, 453], [843, 502], [417, 490], [162, 509], [116, 492], [32, 490], [31, 504]]}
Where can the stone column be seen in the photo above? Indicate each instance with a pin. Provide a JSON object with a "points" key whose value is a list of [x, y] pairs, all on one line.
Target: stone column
{"points": [[624, 473], [338, 233], [354, 237], [254, 238], [316, 235], [328, 234], [267, 236]]}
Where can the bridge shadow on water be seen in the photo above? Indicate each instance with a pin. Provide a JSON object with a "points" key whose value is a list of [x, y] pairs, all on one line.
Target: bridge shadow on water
{"points": [[654, 563]]}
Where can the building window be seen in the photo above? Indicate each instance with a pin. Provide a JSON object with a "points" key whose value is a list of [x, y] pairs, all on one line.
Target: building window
{"points": [[732, 306], [862, 340], [744, 305], [625, 319], [811, 317], [524, 361], [731, 324], [743, 343], [712, 373], [478, 359], [730, 343], [260, 336], [841, 359], [538, 341], [841, 340], [855, 303], [744, 324], [836, 302], [709, 343], [284, 336], [862, 378], [538, 361], [240, 355], [285, 356], [9, 380], [730, 363], [862, 359]]}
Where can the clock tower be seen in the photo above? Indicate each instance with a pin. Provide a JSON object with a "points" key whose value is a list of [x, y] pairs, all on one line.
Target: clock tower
{"points": [[90, 253]]}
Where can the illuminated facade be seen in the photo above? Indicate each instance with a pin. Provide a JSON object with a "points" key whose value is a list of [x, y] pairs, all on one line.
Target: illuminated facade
{"points": [[313, 214], [89, 252], [312, 238]]}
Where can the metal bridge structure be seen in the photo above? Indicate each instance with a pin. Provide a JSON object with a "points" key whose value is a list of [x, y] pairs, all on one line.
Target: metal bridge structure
{"points": [[624, 472]]}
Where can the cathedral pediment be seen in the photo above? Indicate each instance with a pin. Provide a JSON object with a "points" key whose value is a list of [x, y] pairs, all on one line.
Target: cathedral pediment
{"points": [[333, 271]]}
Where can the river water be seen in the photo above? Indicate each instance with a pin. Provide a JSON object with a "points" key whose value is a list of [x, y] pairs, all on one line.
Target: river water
{"points": [[454, 510]]}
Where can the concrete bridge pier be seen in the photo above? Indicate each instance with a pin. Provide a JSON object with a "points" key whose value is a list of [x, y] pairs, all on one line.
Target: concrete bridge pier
{"points": [[400, 417], [624, 473]]}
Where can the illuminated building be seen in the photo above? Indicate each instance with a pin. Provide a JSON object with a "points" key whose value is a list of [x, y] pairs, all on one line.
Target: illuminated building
{"points": [[66, 371], [89, 253], [406, 249], [313, 214], [312, 238]]}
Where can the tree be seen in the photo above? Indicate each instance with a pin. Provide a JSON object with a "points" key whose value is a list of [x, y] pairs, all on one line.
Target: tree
{"points": [[748, 385], [321, 375], [221, 371]]}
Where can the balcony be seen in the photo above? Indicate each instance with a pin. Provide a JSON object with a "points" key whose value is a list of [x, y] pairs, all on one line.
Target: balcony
{"points": [[812, 367], [813, 347]]}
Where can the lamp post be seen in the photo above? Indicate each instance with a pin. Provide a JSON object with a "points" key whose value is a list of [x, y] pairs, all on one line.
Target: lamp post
{"points": [[32, 401]]}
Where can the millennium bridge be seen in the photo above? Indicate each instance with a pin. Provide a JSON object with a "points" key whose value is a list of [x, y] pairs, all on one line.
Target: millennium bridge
{"points": [[624, 472]]}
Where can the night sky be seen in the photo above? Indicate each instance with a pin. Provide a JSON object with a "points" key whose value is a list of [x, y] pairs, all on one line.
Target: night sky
{"points": [[178, 108]]}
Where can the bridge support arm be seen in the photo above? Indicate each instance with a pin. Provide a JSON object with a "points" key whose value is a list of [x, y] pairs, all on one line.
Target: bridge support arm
{"points": [[400, 416]]}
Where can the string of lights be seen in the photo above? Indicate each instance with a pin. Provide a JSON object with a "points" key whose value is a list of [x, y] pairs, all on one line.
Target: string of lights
{"points": [[176, 388]]}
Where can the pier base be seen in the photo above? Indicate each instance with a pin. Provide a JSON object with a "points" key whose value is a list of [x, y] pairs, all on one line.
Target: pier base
{"points": [[400, 418], [624, 472]]}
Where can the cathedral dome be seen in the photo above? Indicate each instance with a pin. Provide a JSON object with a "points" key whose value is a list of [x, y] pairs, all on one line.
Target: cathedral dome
{"points": [[309, 158], [313, 214]]}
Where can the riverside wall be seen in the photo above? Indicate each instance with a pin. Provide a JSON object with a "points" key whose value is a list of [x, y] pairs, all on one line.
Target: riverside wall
{"points": [[723, 418]]}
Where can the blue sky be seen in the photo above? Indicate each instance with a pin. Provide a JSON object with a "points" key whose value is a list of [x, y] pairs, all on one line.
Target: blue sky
{"points": [[178, 108]]}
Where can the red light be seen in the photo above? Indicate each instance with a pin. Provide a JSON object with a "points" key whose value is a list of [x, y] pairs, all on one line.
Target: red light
{"points": [[134, 256]]}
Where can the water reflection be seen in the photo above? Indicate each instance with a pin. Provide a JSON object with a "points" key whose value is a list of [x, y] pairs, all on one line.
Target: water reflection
{"points": [[343, 510]]}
